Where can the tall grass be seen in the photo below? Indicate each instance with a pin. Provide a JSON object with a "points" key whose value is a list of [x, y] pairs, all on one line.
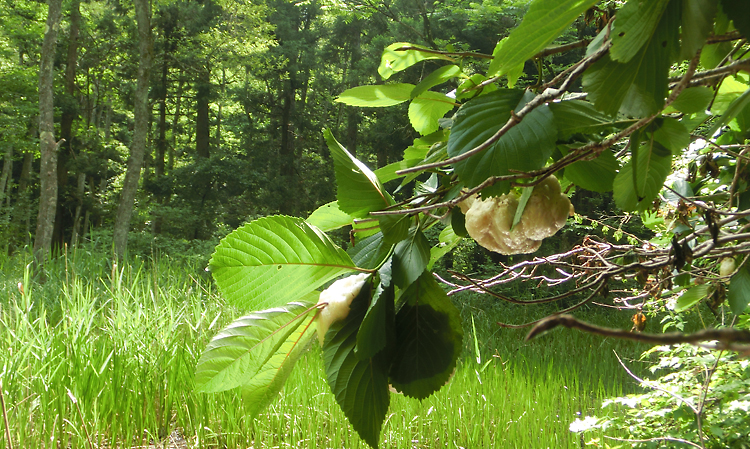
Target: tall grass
{"points": [[104, 354]]}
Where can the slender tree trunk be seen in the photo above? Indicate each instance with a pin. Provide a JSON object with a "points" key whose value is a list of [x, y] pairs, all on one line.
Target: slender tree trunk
{"points": [[69, 114], [140, 132], [175, 122], [47, 146], [202, 128], [79, 207], [353, 113], [5, 176], [288, 204]]}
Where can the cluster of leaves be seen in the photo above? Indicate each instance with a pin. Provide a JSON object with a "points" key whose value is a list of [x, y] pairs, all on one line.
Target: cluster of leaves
{"points": [[655, 78]]}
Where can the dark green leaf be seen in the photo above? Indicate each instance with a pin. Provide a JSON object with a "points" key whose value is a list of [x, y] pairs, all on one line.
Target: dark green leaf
{"points": [[394, 61], [427, 109], [739, 291], [576, 116], [429, 339], [375, 96], [438, 76], [447, 241], [597, 175], [653, 165], [544, 21], [370, 251], [693, 99], [634, 26], [521, 205], [697, 24], [739, 12], [672, 134], [394, 227], [527, 146], [257, 352], [329, 217], [274, 260], [359, 190], [378, 327], [360, 386], [410, 258]]}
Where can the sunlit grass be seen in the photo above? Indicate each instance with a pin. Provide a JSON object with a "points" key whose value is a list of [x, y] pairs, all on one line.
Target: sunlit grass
{"points": [[101, 354]]}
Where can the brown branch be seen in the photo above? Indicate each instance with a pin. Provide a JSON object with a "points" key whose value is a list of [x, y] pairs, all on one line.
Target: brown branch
{"points": [[725, 336], [561, 48]]}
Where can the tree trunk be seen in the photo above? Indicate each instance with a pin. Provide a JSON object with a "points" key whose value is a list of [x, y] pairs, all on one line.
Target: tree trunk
{"points": [[47, 146], [287, 172], [353, 114], [79, 207], [140, 132], [5, 176], [69, 114], [202, 128]]}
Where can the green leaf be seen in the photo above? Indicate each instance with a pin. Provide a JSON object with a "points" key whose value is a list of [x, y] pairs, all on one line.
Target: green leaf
{"points": [[693, 99], [513, 73], [257, 352], [639, 86], [370, 252], [394, 61], [697, 24], [427, 109], [429, 339], [447, 240], [527, 191], [654, 163], [739, 12], [739, 291], [438, 76], [388, 173], [734, 108], [634, 26], [597, 175], [395, 227], [410, 258], [377, 95], [377, 331], [359, 191], [329, 217], [691, 297], [576, 116], [360, 386], [527, 146], [274, 260], [544, 21], [672, 134]]}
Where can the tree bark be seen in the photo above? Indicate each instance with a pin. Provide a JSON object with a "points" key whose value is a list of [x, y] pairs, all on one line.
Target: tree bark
{"points": [[47, 146], [140, 131], [287, 171], [202, 128]]}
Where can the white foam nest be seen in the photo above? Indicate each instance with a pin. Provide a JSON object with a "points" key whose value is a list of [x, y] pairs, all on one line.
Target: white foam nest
{"points": [[338, 299], [490, 221]]}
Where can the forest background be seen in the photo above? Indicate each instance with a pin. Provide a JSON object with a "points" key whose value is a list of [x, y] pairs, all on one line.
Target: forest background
{"points": [[238, 93]]}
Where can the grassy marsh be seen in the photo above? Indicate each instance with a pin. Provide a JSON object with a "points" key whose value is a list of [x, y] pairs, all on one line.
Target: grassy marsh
{"points": [[101, 354]]}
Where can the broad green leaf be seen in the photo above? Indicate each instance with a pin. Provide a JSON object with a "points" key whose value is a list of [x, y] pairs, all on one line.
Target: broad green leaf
{"points": [[576, 116], [394, 60], [639, 86], [527, 146], [360, 386], [544, 21], [513, 73], [672, 134], [739, 12], [388, 173], [329, 217], [377, 331], [468, 88], [370, 252], [597, 175], [525, 195], [697, 24], [446, 242], [410, 258], [257, 352], [429, 339], [693, 99], [731, 88], [359, 191], [438, 76], [632, 29], [275, 260], [654, 163], [739, 291], [427, 109], [376, 95], [691, 297], [395, 227], [734, 108]]}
